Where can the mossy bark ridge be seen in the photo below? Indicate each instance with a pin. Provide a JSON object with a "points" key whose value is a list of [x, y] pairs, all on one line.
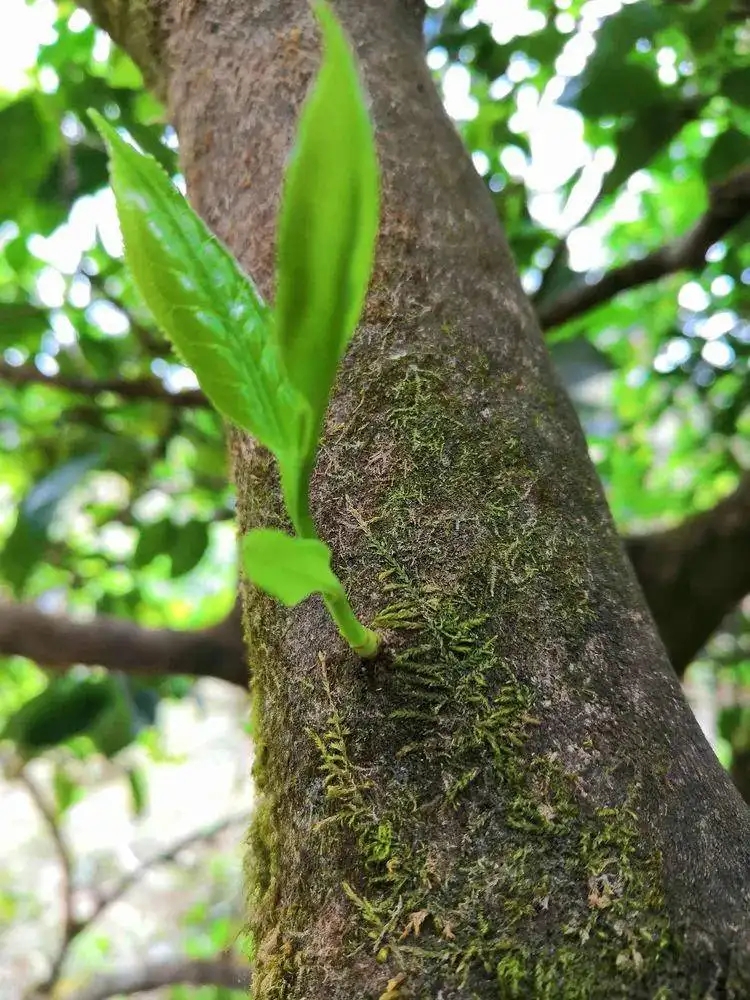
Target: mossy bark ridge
{"points": [[513, 799]]}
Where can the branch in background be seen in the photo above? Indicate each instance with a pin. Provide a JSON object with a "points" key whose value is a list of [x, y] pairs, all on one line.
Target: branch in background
{"points": [[691, 575], [150, 339], [729, 204], [694, 574], [58, 642], [228, 974], [169, 854], [141, 388], [71, 927]]}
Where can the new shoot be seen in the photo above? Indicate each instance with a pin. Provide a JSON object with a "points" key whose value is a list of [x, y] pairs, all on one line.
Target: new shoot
{"points": [[269, 370]]}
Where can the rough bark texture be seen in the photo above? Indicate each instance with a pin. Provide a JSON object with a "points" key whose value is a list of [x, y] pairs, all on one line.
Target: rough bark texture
{"points": [[516, 800], [692, 576]]}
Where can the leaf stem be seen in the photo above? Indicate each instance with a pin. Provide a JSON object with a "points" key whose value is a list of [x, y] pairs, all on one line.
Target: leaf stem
{"points": [[294, 486], [363, 640]]}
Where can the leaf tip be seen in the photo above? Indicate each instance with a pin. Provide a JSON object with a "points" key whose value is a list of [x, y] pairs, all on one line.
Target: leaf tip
{"points": [[99, 122]]}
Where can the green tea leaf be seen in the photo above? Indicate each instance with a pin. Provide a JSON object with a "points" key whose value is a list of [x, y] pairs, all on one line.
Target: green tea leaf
{"points": [[613, 87], [198, 295], [286, 567], [66, 708], [736, 86], [22, 323], [155, 538], [29, 131], [327, 226], [729, 150], [67, 792]]}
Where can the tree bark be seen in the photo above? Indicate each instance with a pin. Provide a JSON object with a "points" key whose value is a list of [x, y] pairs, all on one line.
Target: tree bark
{"points": [[515, 800]]}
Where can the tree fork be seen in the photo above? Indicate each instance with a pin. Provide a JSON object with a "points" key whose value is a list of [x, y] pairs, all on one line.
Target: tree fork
{"points": [[517, 801]]}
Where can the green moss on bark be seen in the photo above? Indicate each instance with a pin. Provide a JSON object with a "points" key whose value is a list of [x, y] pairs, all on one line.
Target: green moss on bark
{"points": [[453, 843], [583, 876]]}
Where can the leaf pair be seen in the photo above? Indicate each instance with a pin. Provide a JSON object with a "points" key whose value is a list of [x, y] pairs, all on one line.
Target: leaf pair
{"points": [[270, 372]]}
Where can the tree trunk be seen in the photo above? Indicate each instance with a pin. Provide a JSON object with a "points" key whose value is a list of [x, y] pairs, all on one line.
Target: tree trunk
{"points": [[515, 800]]}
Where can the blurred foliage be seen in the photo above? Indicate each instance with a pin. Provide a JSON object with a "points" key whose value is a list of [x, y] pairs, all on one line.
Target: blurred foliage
{"points": [[112, 505], [107, 504], [597, 127]]}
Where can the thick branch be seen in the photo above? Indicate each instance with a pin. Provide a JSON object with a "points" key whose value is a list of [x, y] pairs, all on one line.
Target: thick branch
{"points": [[230, 975], [136, 28], [58, 642], [140, 388], [729, 204], [694, 574]]}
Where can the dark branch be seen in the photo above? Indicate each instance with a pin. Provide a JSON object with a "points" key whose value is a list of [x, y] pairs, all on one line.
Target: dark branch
{"points": [[58, 642], [140, 388], [729, 204], [229, 974], [694, 574]]}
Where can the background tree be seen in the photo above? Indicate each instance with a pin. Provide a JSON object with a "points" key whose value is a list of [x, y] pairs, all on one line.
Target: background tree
{"points": [[101, 440]]}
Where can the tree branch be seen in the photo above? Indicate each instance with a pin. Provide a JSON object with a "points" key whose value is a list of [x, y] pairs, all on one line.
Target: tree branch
{"points": [[71, 927], [58, 641], [694, 574], [729, 204], [168, 854], [140, 388], [126, 982]]}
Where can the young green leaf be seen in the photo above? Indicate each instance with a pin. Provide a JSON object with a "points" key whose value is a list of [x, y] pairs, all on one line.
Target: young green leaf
{"points": [[327, 226], [198, 295], [287, 567]]}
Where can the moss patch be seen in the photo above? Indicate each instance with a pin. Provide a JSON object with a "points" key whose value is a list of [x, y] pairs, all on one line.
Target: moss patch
{"points": [[450, 841], [581, 880]]}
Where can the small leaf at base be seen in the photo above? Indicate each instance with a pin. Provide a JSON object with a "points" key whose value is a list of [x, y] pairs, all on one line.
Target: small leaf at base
{"points": [[287, 567]]}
